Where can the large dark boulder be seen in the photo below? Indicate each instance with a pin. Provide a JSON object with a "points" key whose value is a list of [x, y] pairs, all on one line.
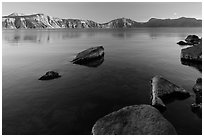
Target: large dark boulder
{"points": [[50, 75], [192, 39], [134, 120], [164, 90], [89, 55], [193, 53]]}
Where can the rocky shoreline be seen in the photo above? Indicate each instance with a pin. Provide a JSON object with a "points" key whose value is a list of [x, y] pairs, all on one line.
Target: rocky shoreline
{"points": [[144, 119]]}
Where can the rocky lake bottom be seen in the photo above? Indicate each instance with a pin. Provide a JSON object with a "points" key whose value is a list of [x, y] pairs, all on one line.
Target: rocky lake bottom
{"points": [[72, 103]]}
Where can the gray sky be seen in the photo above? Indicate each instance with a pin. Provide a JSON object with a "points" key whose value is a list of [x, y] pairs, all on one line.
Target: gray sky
{"points": [[103, 12]]}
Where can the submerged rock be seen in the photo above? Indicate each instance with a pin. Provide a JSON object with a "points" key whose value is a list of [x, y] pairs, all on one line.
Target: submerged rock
{"points": [[89, 55], [163, 89], [134, 120], [192, 39], [50, 75], [182, 43]]}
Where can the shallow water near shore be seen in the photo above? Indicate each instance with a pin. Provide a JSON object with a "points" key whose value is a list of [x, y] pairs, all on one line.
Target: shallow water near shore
{"points": [[73, 103]]}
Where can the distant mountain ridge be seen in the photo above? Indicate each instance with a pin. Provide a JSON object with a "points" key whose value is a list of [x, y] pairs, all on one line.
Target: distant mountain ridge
{"points": [[42, 21]]}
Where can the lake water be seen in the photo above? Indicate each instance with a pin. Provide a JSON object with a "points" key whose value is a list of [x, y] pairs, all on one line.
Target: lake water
{"points": [[72, 104]]}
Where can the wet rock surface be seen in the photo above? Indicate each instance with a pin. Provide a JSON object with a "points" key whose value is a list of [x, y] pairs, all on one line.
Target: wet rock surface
{"points": [[89, 55], [50, 75], [165, 91], [134, 120], [193, 53]]}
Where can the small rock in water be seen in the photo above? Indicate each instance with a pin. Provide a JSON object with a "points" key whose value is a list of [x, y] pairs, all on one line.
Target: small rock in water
{"points": [[134, 120], [89, 55], [50, 75], [163, 89], [182, 43]]}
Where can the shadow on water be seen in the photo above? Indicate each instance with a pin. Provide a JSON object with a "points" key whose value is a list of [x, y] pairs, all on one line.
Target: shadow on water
{"points": [[93, 63], [174, 96]]}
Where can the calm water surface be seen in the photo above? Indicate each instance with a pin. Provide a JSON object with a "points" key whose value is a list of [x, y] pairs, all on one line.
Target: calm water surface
{"points": [[73, 103]]}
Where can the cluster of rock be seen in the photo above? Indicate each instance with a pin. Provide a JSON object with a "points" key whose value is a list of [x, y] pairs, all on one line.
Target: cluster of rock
{"points": [[192, 56], [194, 52], [91, 57], [145, 119], [140, 119], [190, 40], [41, 21]]}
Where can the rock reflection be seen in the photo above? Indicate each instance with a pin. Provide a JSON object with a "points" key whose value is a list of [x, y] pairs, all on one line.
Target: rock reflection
{"points": [[93, 63], [196, 65]]}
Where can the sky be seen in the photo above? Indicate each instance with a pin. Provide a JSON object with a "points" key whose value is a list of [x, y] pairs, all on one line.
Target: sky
{"points": [[102, 12]]}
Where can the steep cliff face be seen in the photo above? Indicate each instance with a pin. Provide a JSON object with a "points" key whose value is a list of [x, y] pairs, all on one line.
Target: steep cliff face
{"points": [[17, 21], [121, 23], [40, 21]]}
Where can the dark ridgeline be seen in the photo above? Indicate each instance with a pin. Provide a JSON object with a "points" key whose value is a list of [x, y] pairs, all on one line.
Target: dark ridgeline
{"points": [[21, 21]]}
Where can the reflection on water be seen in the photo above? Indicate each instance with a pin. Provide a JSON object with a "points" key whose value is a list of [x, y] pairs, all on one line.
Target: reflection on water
{"points": [[73, 103], [38, 37], [196, 65], [49, 36], [93, 63]]}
